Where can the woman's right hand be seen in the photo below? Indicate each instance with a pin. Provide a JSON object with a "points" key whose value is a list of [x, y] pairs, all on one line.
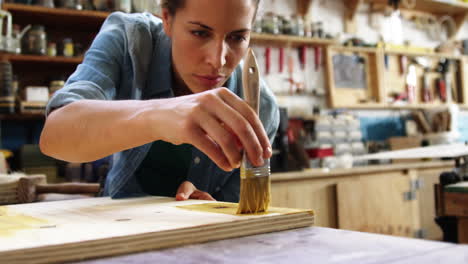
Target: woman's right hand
{"points": [[217, 122]]}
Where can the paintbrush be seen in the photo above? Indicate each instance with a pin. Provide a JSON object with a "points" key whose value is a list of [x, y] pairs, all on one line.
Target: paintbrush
{"points": [[255, 181]]}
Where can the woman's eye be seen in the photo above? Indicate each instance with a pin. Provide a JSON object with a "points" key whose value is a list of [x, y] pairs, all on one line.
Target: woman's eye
{"points": [[200, 33], [237, 38]]}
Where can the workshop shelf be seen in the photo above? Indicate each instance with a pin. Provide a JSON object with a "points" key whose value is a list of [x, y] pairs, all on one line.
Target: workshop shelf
{"points": [[84, 19], [259, 38], [435, 7], [457, 10], [20, 58]]}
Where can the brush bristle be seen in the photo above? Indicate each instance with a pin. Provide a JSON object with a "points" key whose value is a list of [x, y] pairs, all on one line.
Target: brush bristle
{"points": [[254, 195]]}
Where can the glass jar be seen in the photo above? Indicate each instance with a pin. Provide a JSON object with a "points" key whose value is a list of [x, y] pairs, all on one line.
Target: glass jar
{"points": [[52, 49], [69, 4], [258, 25], [270, 23], [6, 79], [55, 86], [35, 41], [46, 3], [286, 26], [123, 5], [68, 49], [297, 24]]}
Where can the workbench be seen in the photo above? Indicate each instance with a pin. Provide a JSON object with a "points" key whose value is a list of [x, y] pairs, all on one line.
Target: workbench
{"points": [[394, 199], [306, 245]]}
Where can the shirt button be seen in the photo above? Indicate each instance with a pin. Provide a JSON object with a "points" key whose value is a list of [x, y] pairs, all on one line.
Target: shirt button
{"points": [[196, 160], [217, 189]]}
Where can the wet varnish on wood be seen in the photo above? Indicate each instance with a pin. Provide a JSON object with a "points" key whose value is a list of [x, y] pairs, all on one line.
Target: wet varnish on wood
{"points": [[55, 232]]}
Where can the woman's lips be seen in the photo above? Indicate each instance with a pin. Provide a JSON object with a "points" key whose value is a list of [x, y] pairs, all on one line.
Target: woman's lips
{"points": [[209, 80]]}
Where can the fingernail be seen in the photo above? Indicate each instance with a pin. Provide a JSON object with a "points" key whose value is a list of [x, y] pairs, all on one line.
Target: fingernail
{"points": [[268, 152], [260, 161], [182, 195]]}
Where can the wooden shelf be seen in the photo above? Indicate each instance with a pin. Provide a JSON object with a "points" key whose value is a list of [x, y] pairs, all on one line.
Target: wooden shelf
{"points": [[433, 6], [457, 10], [258, 38], [21, 117], [40, 59], [84, 19], [392, 107], [355, 49], [421, 54]]}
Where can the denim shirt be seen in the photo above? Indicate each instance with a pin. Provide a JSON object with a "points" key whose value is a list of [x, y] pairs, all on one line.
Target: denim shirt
{"points": [[130, 59]]}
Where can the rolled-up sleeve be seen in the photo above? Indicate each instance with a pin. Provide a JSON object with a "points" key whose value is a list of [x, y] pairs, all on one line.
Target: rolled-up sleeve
{"points": [[98, 76]]}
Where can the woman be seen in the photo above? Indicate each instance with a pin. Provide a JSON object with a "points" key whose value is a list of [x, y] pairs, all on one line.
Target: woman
{"points": [[163, 96]]}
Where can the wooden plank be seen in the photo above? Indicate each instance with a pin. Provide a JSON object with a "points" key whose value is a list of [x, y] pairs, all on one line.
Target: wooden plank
{"points": [[88, 228], [456, 204], [378, 205]]}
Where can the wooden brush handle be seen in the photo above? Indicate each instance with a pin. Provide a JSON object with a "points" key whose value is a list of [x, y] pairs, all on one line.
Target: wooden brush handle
{"points": [[251, 81]]}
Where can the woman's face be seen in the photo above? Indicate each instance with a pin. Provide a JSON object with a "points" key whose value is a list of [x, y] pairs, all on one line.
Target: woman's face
{"points": [[209, 38]]}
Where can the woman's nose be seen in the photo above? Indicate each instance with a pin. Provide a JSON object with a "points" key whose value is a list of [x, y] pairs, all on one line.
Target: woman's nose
{"points": [[216, 54]]}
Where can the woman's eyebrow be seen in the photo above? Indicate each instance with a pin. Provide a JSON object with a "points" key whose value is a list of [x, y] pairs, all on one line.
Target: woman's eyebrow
{"points": [[243, 30], [200, 24]]}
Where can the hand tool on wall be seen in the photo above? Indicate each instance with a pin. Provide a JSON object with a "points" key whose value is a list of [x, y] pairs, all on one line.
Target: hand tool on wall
{"points": [[281, 59], [255, 181], [411, 83], [292, 83], [302, 62], [267, 60], [427, 94], [443, 89], [403, 64], [317, 57], [386, 61]]}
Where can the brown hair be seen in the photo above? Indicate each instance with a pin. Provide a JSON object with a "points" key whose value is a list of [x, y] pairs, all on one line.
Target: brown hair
{"points": [[173, 5]]}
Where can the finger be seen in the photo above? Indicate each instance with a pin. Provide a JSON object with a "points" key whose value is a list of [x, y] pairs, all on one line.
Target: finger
{"points": [[222, 137], [185, 190], [242, 128], [200, 195], [248, 113], [205, 144], [237, 140]]}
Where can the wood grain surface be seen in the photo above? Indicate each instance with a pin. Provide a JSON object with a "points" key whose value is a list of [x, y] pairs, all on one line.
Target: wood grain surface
{"points": [[55, 232]]}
